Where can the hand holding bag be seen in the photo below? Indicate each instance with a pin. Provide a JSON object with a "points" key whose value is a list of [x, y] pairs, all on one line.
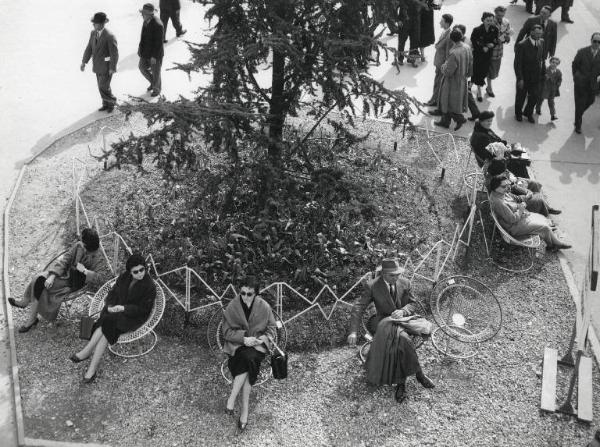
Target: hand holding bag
{"points": [[86, 325], [279, 362], [415, 324]]}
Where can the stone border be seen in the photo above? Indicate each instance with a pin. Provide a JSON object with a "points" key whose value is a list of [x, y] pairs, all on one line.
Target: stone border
{"points": [[22, 440]]}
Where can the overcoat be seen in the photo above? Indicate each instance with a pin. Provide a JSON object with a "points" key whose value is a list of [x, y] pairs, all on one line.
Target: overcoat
{"points": [[552, 82], [442, 48], [137, 301], [169, 5], [51, 299], [481, 59], [550, 35], [103, 51], [236, 327], [586, 69], [151, 39], [454, 94]]}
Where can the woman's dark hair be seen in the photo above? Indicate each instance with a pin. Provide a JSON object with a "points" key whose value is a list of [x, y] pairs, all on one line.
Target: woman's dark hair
{"points": [[250, 282], [456, 35], [485, 15], [90, 239], [462, 28], [497, 181], [448, 18], [133, 260]]}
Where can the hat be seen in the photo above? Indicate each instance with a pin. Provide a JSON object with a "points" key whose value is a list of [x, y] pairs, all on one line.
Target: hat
{"points": [[486, 115], [391, 266], [99, 17], [148, 7]]}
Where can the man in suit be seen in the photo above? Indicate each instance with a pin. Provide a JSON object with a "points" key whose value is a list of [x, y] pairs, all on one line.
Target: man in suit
{"points": [[564, 6], [151, 49], [528, 65], [169, 9], [442, 49], [586, 77], [392, 298], [549, 28], [102, 49]]}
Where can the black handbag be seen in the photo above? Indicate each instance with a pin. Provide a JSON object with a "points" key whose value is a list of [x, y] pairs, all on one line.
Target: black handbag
{"points": [[76, 279], [86, 325], [279, 363]]}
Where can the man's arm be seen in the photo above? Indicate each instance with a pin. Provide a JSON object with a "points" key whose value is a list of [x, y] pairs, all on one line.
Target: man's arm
{"points": [[113, 51], [518, 63], [523, 32], [87, 54]]}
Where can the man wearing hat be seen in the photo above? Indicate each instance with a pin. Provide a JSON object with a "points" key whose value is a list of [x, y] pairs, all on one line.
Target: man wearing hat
{"points": [[392, 357], [151, 50], [102, 49]]}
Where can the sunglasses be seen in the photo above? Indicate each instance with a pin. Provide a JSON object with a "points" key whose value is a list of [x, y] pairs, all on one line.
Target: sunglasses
{"points": [[246, 293], [596, 41], [138, 271]]}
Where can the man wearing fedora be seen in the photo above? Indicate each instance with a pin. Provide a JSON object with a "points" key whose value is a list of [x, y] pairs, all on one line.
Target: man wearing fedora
{"points": [[151, 49], [102, 49], [392, 357]]}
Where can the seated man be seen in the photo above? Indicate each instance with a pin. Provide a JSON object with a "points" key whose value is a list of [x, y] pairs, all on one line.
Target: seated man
{"points": [[392, 357]]}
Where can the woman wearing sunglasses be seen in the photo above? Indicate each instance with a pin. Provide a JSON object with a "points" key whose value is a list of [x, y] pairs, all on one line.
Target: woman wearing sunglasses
{"points": [[248, 328], [127, 307]]}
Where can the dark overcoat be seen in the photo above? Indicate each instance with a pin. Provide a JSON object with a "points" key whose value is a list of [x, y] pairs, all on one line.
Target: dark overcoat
{"points": [[151, 39]]}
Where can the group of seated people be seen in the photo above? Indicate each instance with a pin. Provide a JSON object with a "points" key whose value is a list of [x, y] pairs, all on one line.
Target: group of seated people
{"points": [[517, 201]]}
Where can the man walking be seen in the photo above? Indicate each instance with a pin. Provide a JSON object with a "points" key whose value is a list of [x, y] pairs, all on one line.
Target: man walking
{"points": [[453, 91], [151, 49], [564, 6], [549, 30], [169, 9], [528, 67], [586, 77], [102, 49], [442, 49]]}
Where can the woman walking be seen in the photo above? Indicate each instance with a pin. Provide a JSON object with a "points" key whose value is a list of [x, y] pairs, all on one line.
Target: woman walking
{"points": [[483, 39]]}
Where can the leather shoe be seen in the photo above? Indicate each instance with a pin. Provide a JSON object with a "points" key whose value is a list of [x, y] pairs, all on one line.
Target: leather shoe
{"points": [[562, 246], [242, 425], [400, 394], [530, 119], [13, 303], [578, 130], [490, 94], [554, 117], [567, 20], [554, 211], [425, 381], [165, 41], [149, 89], [460, 123], [435, 112], [103, 108], [519, 118], [442, 124], [24, 329], [155, 94], [228, 412], [76, 359], [91, 379], [182, 33]]}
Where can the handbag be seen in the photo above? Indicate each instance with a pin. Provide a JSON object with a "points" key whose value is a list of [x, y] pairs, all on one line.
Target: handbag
{"points": [[86, 325], [279, 362], [76, 279]]}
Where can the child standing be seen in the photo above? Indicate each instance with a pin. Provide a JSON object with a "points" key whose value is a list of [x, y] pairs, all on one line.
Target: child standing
{"points": [[550, 88]]}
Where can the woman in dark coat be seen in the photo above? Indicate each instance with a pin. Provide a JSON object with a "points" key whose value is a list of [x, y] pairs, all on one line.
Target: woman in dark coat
{"points": [[483, 39], [127, 307], [427, 27], [46, 291], [248, 331]]}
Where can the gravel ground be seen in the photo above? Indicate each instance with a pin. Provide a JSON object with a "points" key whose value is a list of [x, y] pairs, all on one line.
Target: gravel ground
{"points": [[175, 395]]}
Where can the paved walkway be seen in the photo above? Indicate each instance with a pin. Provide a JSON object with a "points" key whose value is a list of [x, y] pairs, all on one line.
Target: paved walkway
{"points": [[44, 95]]}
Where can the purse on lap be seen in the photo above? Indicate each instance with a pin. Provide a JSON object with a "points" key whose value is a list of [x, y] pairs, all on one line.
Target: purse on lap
{"points": [[415, 324]]}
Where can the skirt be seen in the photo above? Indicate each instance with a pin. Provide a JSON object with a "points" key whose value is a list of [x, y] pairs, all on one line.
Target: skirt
{"points": [[117, 324], [494, 67], [246, 359], [392, 357]]}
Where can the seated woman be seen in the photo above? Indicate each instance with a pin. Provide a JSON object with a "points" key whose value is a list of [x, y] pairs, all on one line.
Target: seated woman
{"points": [[46, 291], [392, 357], [529, 190], [483, 136], [127, 307], [511, 212], [248, 330]]}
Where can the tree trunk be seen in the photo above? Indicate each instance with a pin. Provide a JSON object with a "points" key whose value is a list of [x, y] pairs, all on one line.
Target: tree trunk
{"points": [[277, 108]]}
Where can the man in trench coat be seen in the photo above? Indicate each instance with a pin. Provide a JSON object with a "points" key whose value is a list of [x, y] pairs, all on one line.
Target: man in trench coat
{"points": [[102, 49], [454, 94], [586, 77]]}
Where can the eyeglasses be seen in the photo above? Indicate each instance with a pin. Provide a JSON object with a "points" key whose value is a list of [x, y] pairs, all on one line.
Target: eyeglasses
{"points": [[596, 41], [246, 293], [138, 271]]}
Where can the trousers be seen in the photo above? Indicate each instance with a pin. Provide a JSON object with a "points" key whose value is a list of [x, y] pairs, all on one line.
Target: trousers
{"points": [[151, 72], [103, 80], [530, 91], [584, 98], [167, 14]]}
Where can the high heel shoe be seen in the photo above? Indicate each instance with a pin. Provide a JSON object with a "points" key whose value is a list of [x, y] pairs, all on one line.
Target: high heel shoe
{"points": [[228, 412], [91, 379], [24, 329], [76, 359], [242, 425], [13, 303]]}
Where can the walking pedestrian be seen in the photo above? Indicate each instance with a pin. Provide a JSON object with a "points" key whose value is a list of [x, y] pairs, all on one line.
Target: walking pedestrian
{"points": [[151, 49], [483, 39], [550, 87], [442, 49], [453, 91], [504, 33], [564, 6], [169, 9], [528, 66], [586, 77], [102, 49], [411, 28], [471, 103], [549, 28]]}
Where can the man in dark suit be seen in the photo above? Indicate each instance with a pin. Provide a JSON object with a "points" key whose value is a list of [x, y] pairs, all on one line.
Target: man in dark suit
{"points": [[586, 77], [529, 66], [102, 49], [392, 298], [169, 9], [564, 6], [550, 33], [151, 49]]}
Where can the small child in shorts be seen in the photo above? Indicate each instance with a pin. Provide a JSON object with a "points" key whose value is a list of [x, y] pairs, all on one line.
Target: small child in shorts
{"points": [[550, 87]]}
